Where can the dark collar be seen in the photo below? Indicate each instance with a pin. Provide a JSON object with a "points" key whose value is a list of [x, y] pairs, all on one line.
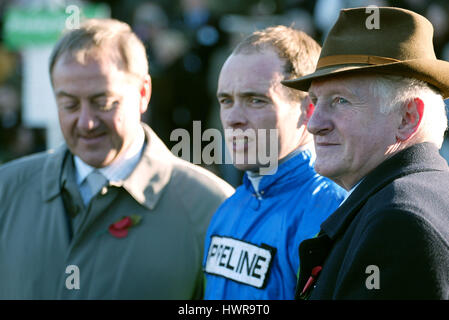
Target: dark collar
{"points": [[417, 158]]}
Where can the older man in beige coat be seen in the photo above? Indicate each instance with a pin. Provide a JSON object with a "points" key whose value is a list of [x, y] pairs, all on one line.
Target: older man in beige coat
{"points": [[112, 214]]}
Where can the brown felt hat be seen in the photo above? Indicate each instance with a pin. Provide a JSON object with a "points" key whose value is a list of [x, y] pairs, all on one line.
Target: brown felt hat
{"points": [[402, 45]]}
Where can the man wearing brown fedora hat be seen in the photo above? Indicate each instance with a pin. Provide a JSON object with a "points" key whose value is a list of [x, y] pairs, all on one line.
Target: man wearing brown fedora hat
{"points": [[378, 123]]}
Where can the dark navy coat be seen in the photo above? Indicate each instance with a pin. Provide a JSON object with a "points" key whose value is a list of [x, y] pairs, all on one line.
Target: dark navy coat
{"points": [[389, 239]]}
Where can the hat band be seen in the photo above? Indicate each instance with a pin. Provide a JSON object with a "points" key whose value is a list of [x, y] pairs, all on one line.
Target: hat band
{"points": [[353, 58]]}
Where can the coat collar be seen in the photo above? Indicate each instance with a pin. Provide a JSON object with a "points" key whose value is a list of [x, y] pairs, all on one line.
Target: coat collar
{"points": [[145, 184], [52, 172], [417, 158], [296, 170], [152, 173]]}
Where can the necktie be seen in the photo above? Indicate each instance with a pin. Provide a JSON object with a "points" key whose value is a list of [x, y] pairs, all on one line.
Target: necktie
{"points": [[92, 185], [95, 181]]}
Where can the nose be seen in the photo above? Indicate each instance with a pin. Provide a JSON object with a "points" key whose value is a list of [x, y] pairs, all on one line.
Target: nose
{"points": [[87, 119], [320, 123], [233, 117]]}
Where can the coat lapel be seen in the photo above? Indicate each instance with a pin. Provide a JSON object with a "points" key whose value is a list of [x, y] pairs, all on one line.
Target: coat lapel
{"points": [[312, 254]]}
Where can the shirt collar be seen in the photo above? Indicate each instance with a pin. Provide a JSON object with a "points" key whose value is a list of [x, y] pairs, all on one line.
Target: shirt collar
{"points": [[351, 191], [145, 183], [120, 168]]}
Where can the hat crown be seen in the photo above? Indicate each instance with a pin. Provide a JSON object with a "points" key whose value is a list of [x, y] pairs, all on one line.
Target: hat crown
{"points": [[401, 34], [399, 43]]}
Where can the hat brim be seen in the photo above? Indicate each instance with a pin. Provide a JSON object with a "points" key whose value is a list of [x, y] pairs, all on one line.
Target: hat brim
{"points": [[434, 72]]}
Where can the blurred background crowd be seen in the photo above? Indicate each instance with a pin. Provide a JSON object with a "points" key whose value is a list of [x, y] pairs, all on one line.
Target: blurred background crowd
{"points": [[187, 42]]}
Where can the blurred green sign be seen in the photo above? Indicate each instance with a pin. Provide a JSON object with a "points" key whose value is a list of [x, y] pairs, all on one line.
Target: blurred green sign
{"points": [[30, 27]]}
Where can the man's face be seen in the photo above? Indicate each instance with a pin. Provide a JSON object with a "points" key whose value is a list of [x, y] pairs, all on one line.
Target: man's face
{"points": [[99, 107], [351, 135], [251, 97]]}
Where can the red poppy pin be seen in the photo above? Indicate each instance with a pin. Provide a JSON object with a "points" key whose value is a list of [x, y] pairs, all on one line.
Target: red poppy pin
{"points": [[119, 229], [312, 279]]}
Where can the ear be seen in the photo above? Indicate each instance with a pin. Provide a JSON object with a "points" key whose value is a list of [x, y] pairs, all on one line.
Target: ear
{"points": [[411, 119], [307, 109], [145, 93]]}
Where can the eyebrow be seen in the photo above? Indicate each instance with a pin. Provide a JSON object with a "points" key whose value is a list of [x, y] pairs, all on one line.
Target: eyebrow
{"points": [[65, 94], [242, 94], [222, 95], [337, 90]]}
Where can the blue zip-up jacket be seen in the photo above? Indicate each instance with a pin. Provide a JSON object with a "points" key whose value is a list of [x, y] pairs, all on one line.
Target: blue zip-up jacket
{"points": [[251, 248]]}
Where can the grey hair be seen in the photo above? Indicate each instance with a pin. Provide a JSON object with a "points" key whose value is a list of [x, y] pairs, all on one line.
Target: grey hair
{"points": [[395, 92], [114, 37]]}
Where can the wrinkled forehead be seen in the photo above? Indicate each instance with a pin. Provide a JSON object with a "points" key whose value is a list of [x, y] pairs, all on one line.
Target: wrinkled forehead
{"points": [[86, 56], [254, 69], [92, 65], [357, 84]]}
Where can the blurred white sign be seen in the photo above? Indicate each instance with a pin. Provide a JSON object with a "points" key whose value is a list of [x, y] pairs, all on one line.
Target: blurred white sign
{"points": [[39, 106]]}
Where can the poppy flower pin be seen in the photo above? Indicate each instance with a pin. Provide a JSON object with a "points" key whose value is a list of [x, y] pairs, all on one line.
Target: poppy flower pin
{"points": [[312, 279], [120, 228]]}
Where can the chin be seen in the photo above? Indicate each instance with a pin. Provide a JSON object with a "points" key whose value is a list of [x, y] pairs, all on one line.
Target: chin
{"points": [[96, 164], [245, 167], [96, 161], [323, 170]]}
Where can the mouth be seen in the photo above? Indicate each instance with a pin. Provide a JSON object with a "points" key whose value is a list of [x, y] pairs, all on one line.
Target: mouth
{"points": [[326, 144], [239, 143], [92, 139]]}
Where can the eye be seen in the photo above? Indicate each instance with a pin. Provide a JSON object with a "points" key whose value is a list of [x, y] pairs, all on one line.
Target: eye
{"points": [[257, 102], [225, 101], [339, 100], [105, 103], [68, 104]]}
